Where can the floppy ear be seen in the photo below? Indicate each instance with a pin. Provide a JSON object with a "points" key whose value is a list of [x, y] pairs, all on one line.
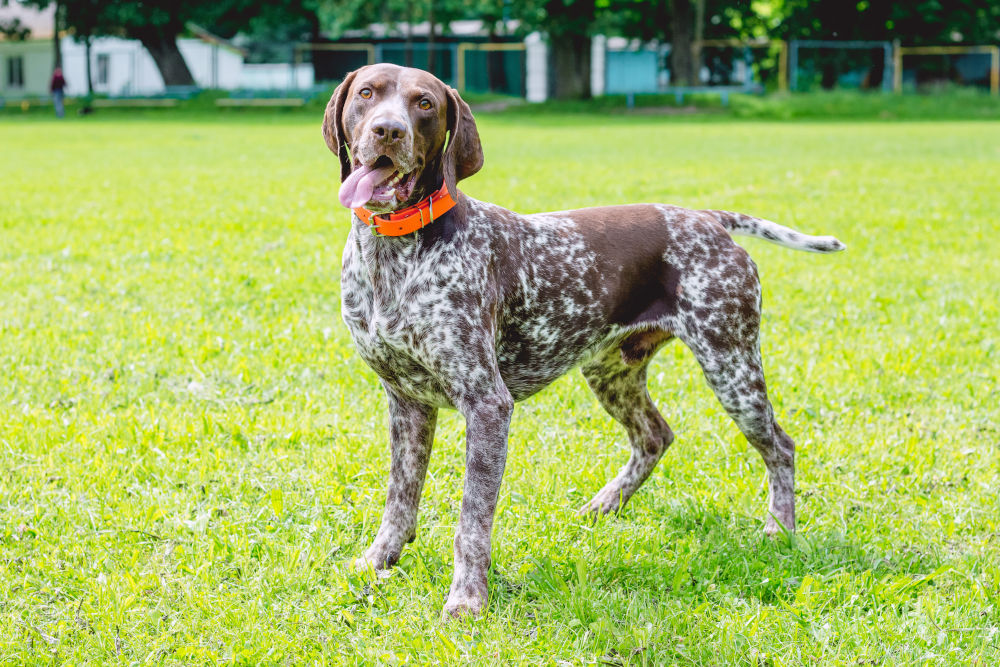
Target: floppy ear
{"points": [[333, 124], [464, 155]]}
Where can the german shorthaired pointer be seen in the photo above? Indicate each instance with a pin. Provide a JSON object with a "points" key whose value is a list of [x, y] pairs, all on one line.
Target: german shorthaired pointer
{"points": [[457, 303]]}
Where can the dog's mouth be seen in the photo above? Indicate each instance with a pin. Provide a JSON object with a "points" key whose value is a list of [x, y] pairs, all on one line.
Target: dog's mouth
{"points": [[380, 184]]}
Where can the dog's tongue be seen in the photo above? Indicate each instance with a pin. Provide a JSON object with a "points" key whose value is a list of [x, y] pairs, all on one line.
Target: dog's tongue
{"points": [[358, 188]]}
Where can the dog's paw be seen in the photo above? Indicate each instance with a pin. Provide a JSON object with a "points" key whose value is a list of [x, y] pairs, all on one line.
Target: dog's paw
{"points": [[607, 501], [773, 528], [463, 607], [375, 561]]}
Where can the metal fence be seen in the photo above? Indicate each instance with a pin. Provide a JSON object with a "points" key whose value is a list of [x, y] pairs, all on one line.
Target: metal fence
{"points": [[979, 65], [469, 66], [724, 66], [850, 64], [889, 66]]}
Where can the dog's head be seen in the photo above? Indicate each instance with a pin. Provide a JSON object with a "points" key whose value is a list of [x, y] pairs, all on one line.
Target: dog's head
{"points": [[399, 132]]}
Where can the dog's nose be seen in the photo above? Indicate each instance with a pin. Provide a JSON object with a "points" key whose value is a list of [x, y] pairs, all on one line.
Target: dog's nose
{"points": [[388, 129]]}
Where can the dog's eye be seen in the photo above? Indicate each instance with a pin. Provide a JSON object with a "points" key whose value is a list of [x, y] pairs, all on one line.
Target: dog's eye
{"points": [[424, 104], [366, 93]]}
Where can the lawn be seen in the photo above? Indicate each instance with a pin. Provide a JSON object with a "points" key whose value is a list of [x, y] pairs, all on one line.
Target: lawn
{"points": [[191, 452]]}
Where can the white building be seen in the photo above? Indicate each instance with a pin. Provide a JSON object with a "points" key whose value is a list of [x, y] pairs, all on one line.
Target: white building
{"points": [[26, 66], [121, 67]]}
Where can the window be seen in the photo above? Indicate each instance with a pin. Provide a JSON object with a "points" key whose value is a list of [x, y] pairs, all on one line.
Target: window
{"points": [[15, 72], [103, 68]]}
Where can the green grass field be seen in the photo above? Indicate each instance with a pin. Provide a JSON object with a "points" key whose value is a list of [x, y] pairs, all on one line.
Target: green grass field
{"points": [[191, 452]]}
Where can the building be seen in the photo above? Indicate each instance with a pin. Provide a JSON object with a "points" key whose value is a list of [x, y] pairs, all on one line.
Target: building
{"points": [[26, 65], [119, 67]]}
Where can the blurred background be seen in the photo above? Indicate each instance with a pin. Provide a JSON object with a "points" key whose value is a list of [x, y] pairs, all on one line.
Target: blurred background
{"points": [[285, 53]]}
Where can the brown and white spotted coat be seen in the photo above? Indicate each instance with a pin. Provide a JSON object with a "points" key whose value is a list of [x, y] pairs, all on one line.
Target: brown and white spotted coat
{"points": [[485, 307]]}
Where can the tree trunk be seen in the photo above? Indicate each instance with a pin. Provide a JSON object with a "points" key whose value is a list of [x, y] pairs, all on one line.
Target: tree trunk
{"points": [[828, 77], [873, 80], [569, 26], [90, 77], [162, 46], [409, 34], [496, 73], [699, 36], [571, 61], [430, 37], [681, 61], [56, 46]]}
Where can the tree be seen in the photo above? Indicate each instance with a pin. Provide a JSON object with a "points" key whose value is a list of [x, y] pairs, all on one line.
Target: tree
{"points": [[286, 21], [13, 29], [494, 14], [58, 19], [155, 23], [682, 45], [158, 23], [683, 24], [438, 14], [922, 22], [570, 25]]}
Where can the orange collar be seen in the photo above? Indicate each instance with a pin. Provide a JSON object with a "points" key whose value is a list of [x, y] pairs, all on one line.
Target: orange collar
{"points": [[409, 220]]}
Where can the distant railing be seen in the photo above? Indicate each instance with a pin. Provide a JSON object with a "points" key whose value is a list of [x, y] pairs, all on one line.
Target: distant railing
{"points": [[991, 50]]}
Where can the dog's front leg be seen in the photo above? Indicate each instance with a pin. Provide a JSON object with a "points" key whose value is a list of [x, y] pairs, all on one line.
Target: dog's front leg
{"points": [[487, 418], [411, 436]]}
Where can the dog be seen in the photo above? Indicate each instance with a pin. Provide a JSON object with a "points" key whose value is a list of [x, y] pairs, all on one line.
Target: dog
{"points": [[458, 303]]}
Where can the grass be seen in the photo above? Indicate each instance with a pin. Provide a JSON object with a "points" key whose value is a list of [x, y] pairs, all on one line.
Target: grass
{"points": [[191, 452], [956, 104], [947, 104]]}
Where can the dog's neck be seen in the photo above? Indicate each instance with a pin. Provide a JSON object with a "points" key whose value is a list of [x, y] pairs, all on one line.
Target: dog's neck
{"points": [[388, 264], [386, 260]]}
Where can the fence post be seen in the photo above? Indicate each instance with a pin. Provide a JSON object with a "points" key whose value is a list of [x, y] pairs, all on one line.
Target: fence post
{"points": [[887, 83], [455, 57], [897, 66], [748, 64], [536, 71], [460, 51], [995, 70], [783, 66], [598, 65], [793, 64]]}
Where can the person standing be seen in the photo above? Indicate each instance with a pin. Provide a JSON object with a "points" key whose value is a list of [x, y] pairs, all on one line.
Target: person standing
{"points": [[57, 86]]}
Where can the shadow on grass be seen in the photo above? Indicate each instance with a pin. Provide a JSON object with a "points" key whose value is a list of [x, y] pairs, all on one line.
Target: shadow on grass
{"points": [[701, 556]]}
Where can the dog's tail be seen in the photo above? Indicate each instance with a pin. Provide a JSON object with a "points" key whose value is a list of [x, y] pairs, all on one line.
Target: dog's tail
{"points": [[746, 225]]}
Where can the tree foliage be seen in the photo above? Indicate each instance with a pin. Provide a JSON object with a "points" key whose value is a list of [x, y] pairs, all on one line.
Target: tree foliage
{"points": [[158, 23], [913, 23], [568, 23]]}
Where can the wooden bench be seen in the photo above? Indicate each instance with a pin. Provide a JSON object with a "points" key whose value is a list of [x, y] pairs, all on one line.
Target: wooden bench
{"points": [[134, 102], [259, 102], [722, 91], [180, 92]]}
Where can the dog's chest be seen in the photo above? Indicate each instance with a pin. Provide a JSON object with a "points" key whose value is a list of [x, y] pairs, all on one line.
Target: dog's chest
{"points": [[395, 309]]}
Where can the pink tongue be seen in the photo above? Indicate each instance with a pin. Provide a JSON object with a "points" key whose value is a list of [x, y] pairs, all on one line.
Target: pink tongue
{"points": [[358, 188]]}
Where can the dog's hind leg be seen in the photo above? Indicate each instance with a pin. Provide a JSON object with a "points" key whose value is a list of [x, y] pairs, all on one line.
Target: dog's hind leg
{"points": [[411, 435], [618, 377], [726, 344], [737, 378]]}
